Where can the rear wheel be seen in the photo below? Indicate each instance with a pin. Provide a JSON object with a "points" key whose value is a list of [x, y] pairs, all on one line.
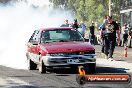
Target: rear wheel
{"points": [[42, 67], [31, 65]]}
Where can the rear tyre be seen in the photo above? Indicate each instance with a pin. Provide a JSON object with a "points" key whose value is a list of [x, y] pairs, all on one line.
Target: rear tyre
{"points": [[90, 68], [42, 67], [31, 65]]}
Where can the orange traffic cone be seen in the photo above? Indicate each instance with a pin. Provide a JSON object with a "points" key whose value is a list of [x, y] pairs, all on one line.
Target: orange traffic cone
{"points": [[125, 51]]}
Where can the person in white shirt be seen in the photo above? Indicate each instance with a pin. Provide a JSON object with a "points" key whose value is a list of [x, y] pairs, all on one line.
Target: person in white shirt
{"points": [[125, 34]]}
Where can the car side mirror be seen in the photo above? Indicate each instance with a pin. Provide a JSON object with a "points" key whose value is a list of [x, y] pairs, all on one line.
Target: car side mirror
{"points": [[34, 42]]}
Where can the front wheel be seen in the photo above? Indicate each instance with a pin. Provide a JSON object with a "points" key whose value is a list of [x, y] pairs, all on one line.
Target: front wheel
{"points": [[42, 67], [31, 65]]}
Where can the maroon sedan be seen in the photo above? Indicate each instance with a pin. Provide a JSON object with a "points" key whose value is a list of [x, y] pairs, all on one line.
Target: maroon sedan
{"points": [[59, 47]]}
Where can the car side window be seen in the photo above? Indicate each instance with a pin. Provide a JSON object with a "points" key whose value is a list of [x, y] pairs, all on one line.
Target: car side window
{"points": [[35, 37], [31, 38]]}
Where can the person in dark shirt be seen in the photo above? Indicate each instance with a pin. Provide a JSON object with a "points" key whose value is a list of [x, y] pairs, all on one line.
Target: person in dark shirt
{"points": [[91, 35], [92, 29], [110, 38], [75, 24]]}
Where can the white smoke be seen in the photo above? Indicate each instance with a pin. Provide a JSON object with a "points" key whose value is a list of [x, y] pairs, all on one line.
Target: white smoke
{"points": [[17, 23], [39, 3]]}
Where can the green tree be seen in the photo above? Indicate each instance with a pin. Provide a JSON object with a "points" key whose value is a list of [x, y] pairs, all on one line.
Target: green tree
{"points": [[59, 3], [89, 10], [116, 4]]}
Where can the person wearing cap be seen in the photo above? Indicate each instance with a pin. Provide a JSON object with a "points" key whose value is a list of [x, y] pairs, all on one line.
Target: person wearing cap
{"points": [[110, 38]]}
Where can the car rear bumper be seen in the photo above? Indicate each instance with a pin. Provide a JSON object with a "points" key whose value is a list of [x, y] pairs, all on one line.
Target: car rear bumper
{"points": [[77, 60]]}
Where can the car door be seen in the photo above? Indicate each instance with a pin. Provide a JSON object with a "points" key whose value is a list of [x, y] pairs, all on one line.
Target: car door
{"points": [[34, 46]]}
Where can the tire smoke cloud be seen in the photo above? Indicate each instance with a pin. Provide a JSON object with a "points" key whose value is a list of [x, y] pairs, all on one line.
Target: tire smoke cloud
{"points": [[17, 23]]}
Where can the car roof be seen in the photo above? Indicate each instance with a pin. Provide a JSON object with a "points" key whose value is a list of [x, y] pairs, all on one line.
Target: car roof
{"points": [[55, 28]]}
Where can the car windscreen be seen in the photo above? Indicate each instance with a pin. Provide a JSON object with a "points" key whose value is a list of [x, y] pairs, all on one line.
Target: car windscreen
{"points": [[60, 35]]}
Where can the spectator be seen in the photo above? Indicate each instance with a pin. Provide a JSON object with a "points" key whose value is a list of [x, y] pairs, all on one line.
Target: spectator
{"points": [[130, 37], [66, 24], [83, 28], [92, 36], [118, 33], [103, 30], [75, 24], [125, 34], [110, 38]]}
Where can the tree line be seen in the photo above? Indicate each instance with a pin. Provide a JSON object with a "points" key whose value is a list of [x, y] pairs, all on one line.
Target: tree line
{"points": [[86, 10], [89, 10]]}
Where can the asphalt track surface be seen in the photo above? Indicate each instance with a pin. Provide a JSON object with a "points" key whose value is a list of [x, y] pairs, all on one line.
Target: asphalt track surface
{"points": [[118, 53], [61, 78], [57, 78]]}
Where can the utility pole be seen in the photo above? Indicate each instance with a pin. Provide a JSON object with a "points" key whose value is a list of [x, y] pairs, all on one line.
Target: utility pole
{"points": [[109, 7]]}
